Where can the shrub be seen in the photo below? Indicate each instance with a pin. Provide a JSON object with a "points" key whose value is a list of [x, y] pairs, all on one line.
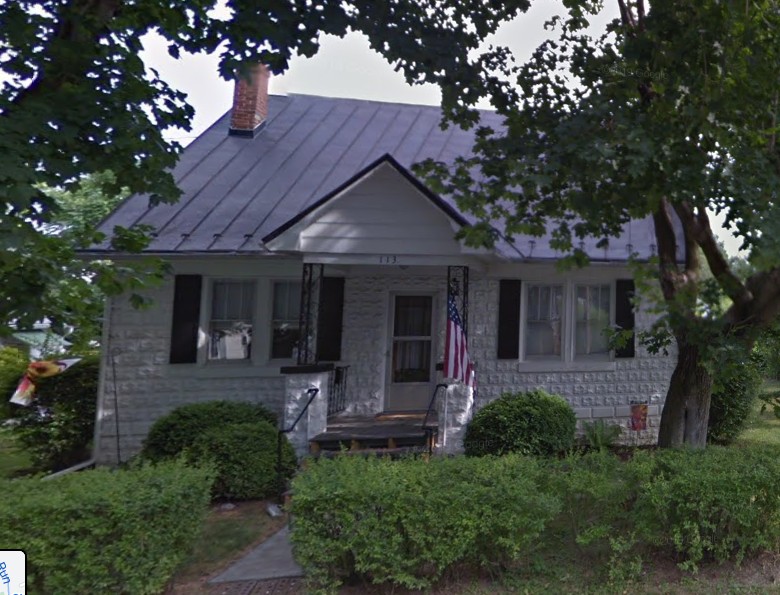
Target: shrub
{"points": [[245, 457], [105, 531], [594, 491], [736, 387], [170, 435], [534, 423], [13, 363], [600, 435], [719, 503], [58, 429], [406, 522]]}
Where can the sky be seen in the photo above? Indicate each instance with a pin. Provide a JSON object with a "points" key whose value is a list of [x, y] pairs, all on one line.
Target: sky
{"points": [[348, 67]]}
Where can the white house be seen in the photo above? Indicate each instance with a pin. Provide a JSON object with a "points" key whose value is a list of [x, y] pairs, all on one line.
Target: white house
{"points": [[306, 254]]}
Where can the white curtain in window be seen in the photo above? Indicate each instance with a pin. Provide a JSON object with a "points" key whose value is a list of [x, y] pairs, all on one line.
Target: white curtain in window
{"points": [[592, 317], [544, 320]]}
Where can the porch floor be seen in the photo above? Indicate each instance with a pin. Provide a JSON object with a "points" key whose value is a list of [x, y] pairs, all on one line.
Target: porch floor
{"points": [[388, 430]]}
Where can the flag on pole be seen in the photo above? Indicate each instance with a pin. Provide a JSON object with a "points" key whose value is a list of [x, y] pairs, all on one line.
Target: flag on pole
{"points": [[26, 390], [457, 364]]}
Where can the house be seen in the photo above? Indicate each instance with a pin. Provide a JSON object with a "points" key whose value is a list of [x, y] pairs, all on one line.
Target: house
{"points": [[307, 255]]}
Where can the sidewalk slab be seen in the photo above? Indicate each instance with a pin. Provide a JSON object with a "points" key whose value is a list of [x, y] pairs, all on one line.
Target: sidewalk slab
{"points": [[271, 559]]}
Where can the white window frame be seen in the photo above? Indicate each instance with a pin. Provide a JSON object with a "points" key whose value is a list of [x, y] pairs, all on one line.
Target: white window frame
{"points": [[204, 342], [261, 325], [568, 357]]}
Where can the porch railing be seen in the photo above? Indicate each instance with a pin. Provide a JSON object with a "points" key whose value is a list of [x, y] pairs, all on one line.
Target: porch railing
{"points": [[337, 390]]}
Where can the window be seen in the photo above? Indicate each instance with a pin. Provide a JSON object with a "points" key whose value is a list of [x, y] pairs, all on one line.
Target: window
{"points": [[230, 323], [556, 322], [544, 318], [592, 308], [285, 325]]}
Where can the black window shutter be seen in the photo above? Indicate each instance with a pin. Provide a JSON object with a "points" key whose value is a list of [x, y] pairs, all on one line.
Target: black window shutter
{"points": [[509, 319], [624, 314], [330, 319], [186, 318]]}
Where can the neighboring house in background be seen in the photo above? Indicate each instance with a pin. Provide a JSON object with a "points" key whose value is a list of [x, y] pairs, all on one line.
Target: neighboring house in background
{"points": [[38, 342], [306, 254]]}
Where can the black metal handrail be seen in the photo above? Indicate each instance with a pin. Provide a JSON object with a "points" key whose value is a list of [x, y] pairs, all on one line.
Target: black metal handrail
{"points": [[313, 392], [428, 428], [337, 390]]}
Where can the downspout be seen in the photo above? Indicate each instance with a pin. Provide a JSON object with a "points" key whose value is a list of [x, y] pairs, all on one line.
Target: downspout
{"points": [[106, 350]]}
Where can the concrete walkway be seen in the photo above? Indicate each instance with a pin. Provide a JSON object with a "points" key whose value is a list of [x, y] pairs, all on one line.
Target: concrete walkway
{"points": [[272, 559]]}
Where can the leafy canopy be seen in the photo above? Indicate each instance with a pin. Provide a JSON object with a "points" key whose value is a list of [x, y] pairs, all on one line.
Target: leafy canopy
{"points": [[77, 98]]}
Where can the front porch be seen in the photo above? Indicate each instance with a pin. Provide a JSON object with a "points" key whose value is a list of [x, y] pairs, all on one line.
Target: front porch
{"points": [[374, 353], [386, 433]]}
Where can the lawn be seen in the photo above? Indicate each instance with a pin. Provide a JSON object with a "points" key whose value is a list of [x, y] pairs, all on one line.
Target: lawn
{"points": [[763, 427], [228, 534], [13, 460]]}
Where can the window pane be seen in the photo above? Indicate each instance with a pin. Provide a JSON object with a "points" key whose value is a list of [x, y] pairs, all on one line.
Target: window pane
{"points": [[544, 321], [230, 327], [593, 307], [413, 316], [411, 361], [285, 326]]}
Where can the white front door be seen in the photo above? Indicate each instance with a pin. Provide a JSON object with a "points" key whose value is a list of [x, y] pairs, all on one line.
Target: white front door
{"points": [[410, 357]]}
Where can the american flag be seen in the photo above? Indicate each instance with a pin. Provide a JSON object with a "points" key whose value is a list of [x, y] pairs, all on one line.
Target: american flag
{"points": [[457, 364]]}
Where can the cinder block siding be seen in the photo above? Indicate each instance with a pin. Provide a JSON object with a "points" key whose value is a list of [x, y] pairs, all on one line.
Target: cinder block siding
{"points": [[141, 385], [136, 374]]}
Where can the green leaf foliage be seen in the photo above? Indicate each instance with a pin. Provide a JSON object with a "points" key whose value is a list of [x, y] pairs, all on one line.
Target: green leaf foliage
{"points": [[104, 531], [737, 387], [13, 363], [245, 458], [406, 522], [58, 428], [77, 98], [177, 431], [527, 423], [719, 504]]}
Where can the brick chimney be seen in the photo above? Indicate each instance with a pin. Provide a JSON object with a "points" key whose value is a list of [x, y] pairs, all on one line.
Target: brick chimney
{"points": [[250, 102]]}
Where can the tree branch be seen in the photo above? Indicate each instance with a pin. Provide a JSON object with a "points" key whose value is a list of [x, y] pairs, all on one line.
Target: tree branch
{"points": [[667, 248], [697, 224], [626, 16]]}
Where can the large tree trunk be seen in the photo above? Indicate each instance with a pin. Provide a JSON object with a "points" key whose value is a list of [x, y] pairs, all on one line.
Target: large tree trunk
{"points": [[687, 407]]}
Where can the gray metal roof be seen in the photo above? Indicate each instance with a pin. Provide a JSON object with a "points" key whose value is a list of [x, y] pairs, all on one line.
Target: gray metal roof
{"points": [[236, 190]]}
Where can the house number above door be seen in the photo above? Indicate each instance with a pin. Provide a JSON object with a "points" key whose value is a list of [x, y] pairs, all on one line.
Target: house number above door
{"points": [[389, 259]]}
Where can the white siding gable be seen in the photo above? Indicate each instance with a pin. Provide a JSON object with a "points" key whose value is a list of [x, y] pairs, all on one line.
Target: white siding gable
{"points": [[382, 213]]}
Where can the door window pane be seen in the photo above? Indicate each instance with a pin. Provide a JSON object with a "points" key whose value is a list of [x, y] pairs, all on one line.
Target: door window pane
{"points": [[544, 327], [412, 361], [230, 325], [413, 316]]}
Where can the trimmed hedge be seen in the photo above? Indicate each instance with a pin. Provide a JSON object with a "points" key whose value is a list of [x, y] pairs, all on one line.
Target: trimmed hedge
{"points": [[244, 456], [105, 531], [719, 503], [172, 434], [406, 522], [532, 423], [59, 428]]}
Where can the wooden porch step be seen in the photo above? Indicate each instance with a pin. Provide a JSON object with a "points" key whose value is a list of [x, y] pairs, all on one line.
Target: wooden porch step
{"points": [[393, 453]]}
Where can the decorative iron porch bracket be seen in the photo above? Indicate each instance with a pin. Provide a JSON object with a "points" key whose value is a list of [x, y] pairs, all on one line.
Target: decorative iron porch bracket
{"points": [[309, 313], [458, 287]]}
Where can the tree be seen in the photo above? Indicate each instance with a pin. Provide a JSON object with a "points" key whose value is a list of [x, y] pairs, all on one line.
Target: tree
{"points": [[77, 99], [672, 114], [76, 299]]}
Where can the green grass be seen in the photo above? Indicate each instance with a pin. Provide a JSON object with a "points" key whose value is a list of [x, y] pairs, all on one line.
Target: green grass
{"points": [[226, 535], [762, 427], [13, 460]]}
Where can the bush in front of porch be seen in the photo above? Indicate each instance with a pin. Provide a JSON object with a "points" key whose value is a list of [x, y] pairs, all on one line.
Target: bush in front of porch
{"points": [[531, 423]]}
